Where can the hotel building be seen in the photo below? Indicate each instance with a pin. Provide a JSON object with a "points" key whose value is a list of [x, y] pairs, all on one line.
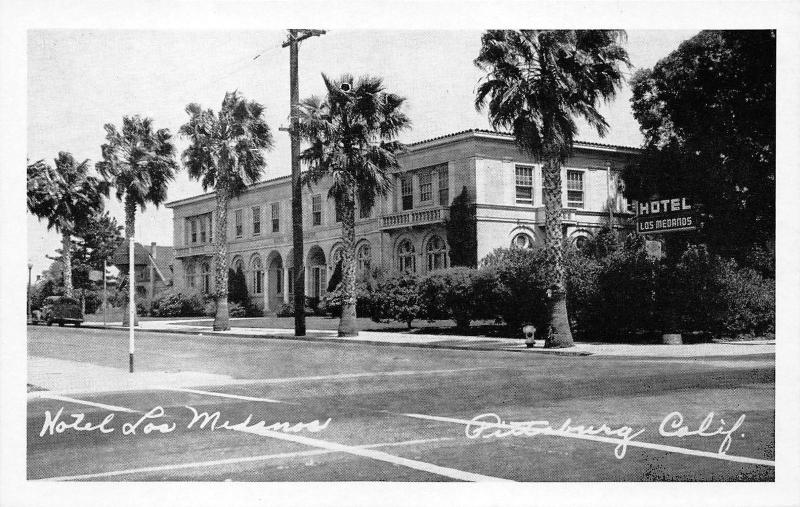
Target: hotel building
{"points": [[405, 231]]}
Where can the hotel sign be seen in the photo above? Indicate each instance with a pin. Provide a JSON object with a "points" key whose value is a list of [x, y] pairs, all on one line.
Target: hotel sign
{"points": [[665, 215]]}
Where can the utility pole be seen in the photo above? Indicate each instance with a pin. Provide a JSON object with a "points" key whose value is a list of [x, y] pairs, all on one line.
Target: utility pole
{"points": [[295, 36]]}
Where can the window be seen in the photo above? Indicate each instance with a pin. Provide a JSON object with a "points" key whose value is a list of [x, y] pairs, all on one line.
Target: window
{"points": [[363, 211], [276, 216], [256, 220], [290, 282], [444, 186], [522, 240], [364, 258], [580, 242], [407, 192], [279, 281], [425, 186], [574, 189], [193, 225], [210, 220], [406, 260], [205, 276], [190, 281], [437, 253], [524, 184], [316, 210], [203, 224], [237, 216], [258, 276]]}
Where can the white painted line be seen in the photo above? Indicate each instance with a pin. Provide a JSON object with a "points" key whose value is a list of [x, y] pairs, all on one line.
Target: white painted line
{"points": [[229, 461], [221, 395], [609, 440], [113, 408], [451, 473]]}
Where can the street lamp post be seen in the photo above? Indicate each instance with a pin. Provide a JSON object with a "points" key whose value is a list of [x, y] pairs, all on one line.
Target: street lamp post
{"points": [[30, 267]]}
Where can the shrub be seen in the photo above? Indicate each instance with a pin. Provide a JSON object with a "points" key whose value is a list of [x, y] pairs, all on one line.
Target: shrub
{"points": [[461, 294], [287, 309], [748, 299], [175, 303], [331, 303], [397, 298], [522, 282]]}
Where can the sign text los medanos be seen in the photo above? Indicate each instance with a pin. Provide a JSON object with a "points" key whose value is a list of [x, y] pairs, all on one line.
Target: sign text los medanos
{"points": [[665, 215]]}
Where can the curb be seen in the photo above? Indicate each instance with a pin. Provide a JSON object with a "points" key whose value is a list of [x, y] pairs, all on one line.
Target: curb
{"points": [[223, 334]]}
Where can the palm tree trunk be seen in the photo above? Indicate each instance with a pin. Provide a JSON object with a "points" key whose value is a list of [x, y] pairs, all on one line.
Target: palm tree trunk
{"points": [[559, 334], [221, 317], [348, 325], [130, 229], [66, 258]]}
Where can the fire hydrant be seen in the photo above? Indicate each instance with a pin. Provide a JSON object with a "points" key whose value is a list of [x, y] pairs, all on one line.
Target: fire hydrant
{"points": [[529, 331]]}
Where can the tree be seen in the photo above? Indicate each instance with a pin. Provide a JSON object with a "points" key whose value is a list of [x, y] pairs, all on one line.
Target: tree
{"points": [[226, 152], [538, 82], [352, 135], [462, 233], [67, 197], [139, 162], [707, 112]]}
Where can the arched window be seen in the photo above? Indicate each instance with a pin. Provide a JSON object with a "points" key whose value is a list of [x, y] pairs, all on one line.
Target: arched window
{"points": [[258, 275], [336, 256], [406, 260], [436, 251], [364, 257], [205, 277], [190, 274], [522, 240], [580, 241]]}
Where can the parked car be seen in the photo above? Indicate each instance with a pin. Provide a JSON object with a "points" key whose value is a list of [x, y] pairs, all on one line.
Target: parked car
{"points": [[61, 309]]}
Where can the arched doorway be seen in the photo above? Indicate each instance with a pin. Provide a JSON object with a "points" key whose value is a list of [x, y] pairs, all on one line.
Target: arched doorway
{"points": [[317, 272], [276, 281]]}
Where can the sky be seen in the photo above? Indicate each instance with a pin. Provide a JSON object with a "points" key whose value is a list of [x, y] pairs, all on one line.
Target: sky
{"points": [[80, 80]]}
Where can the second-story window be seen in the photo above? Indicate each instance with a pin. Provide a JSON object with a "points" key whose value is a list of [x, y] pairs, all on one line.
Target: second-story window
{"points": [[575, 189], [237, 219], [316, 210], [425, 186], [407, 191], [363, 211], [203, 226], [256, 220], [276, 216], [193, 227], [524, 185], [444, 186]]}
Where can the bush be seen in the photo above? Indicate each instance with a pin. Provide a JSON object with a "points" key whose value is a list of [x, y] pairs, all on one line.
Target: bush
{"points": [[175, 303], [397, 298], [287, 309], [748, 299], [461, 294], [331, 303], [522, 282]]}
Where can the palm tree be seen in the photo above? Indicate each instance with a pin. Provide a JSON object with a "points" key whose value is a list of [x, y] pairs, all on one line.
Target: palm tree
{"points": [[139, 162], [538, 82], [226, 152], [68, 198], [352, 141]]}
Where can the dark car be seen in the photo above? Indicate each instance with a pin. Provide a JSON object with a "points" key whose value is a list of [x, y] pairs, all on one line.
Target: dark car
{"points": [[61, 309]]}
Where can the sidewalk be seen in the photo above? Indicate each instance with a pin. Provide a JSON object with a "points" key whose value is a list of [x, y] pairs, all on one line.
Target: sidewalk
{"points": [[699, 351]]}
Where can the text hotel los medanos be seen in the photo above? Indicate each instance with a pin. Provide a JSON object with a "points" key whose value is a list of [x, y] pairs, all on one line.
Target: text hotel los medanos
{"points": [[405, 230]]}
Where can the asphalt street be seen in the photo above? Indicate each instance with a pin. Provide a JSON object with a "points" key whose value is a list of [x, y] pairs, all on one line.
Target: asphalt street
{"points": [[354, 412]]}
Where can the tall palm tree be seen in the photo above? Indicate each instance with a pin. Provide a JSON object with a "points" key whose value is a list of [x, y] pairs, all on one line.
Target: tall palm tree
{"points": [[68, 198], [352, 141], [538, 82], [226, 152], [139, 162]]}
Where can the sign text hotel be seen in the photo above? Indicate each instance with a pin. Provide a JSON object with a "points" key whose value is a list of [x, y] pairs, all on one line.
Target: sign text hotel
{"points": [[665, 215]]}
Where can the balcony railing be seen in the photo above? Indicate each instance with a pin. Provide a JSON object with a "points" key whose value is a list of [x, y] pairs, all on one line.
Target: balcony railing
{"points": [[414, 217], [199, 249]]}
